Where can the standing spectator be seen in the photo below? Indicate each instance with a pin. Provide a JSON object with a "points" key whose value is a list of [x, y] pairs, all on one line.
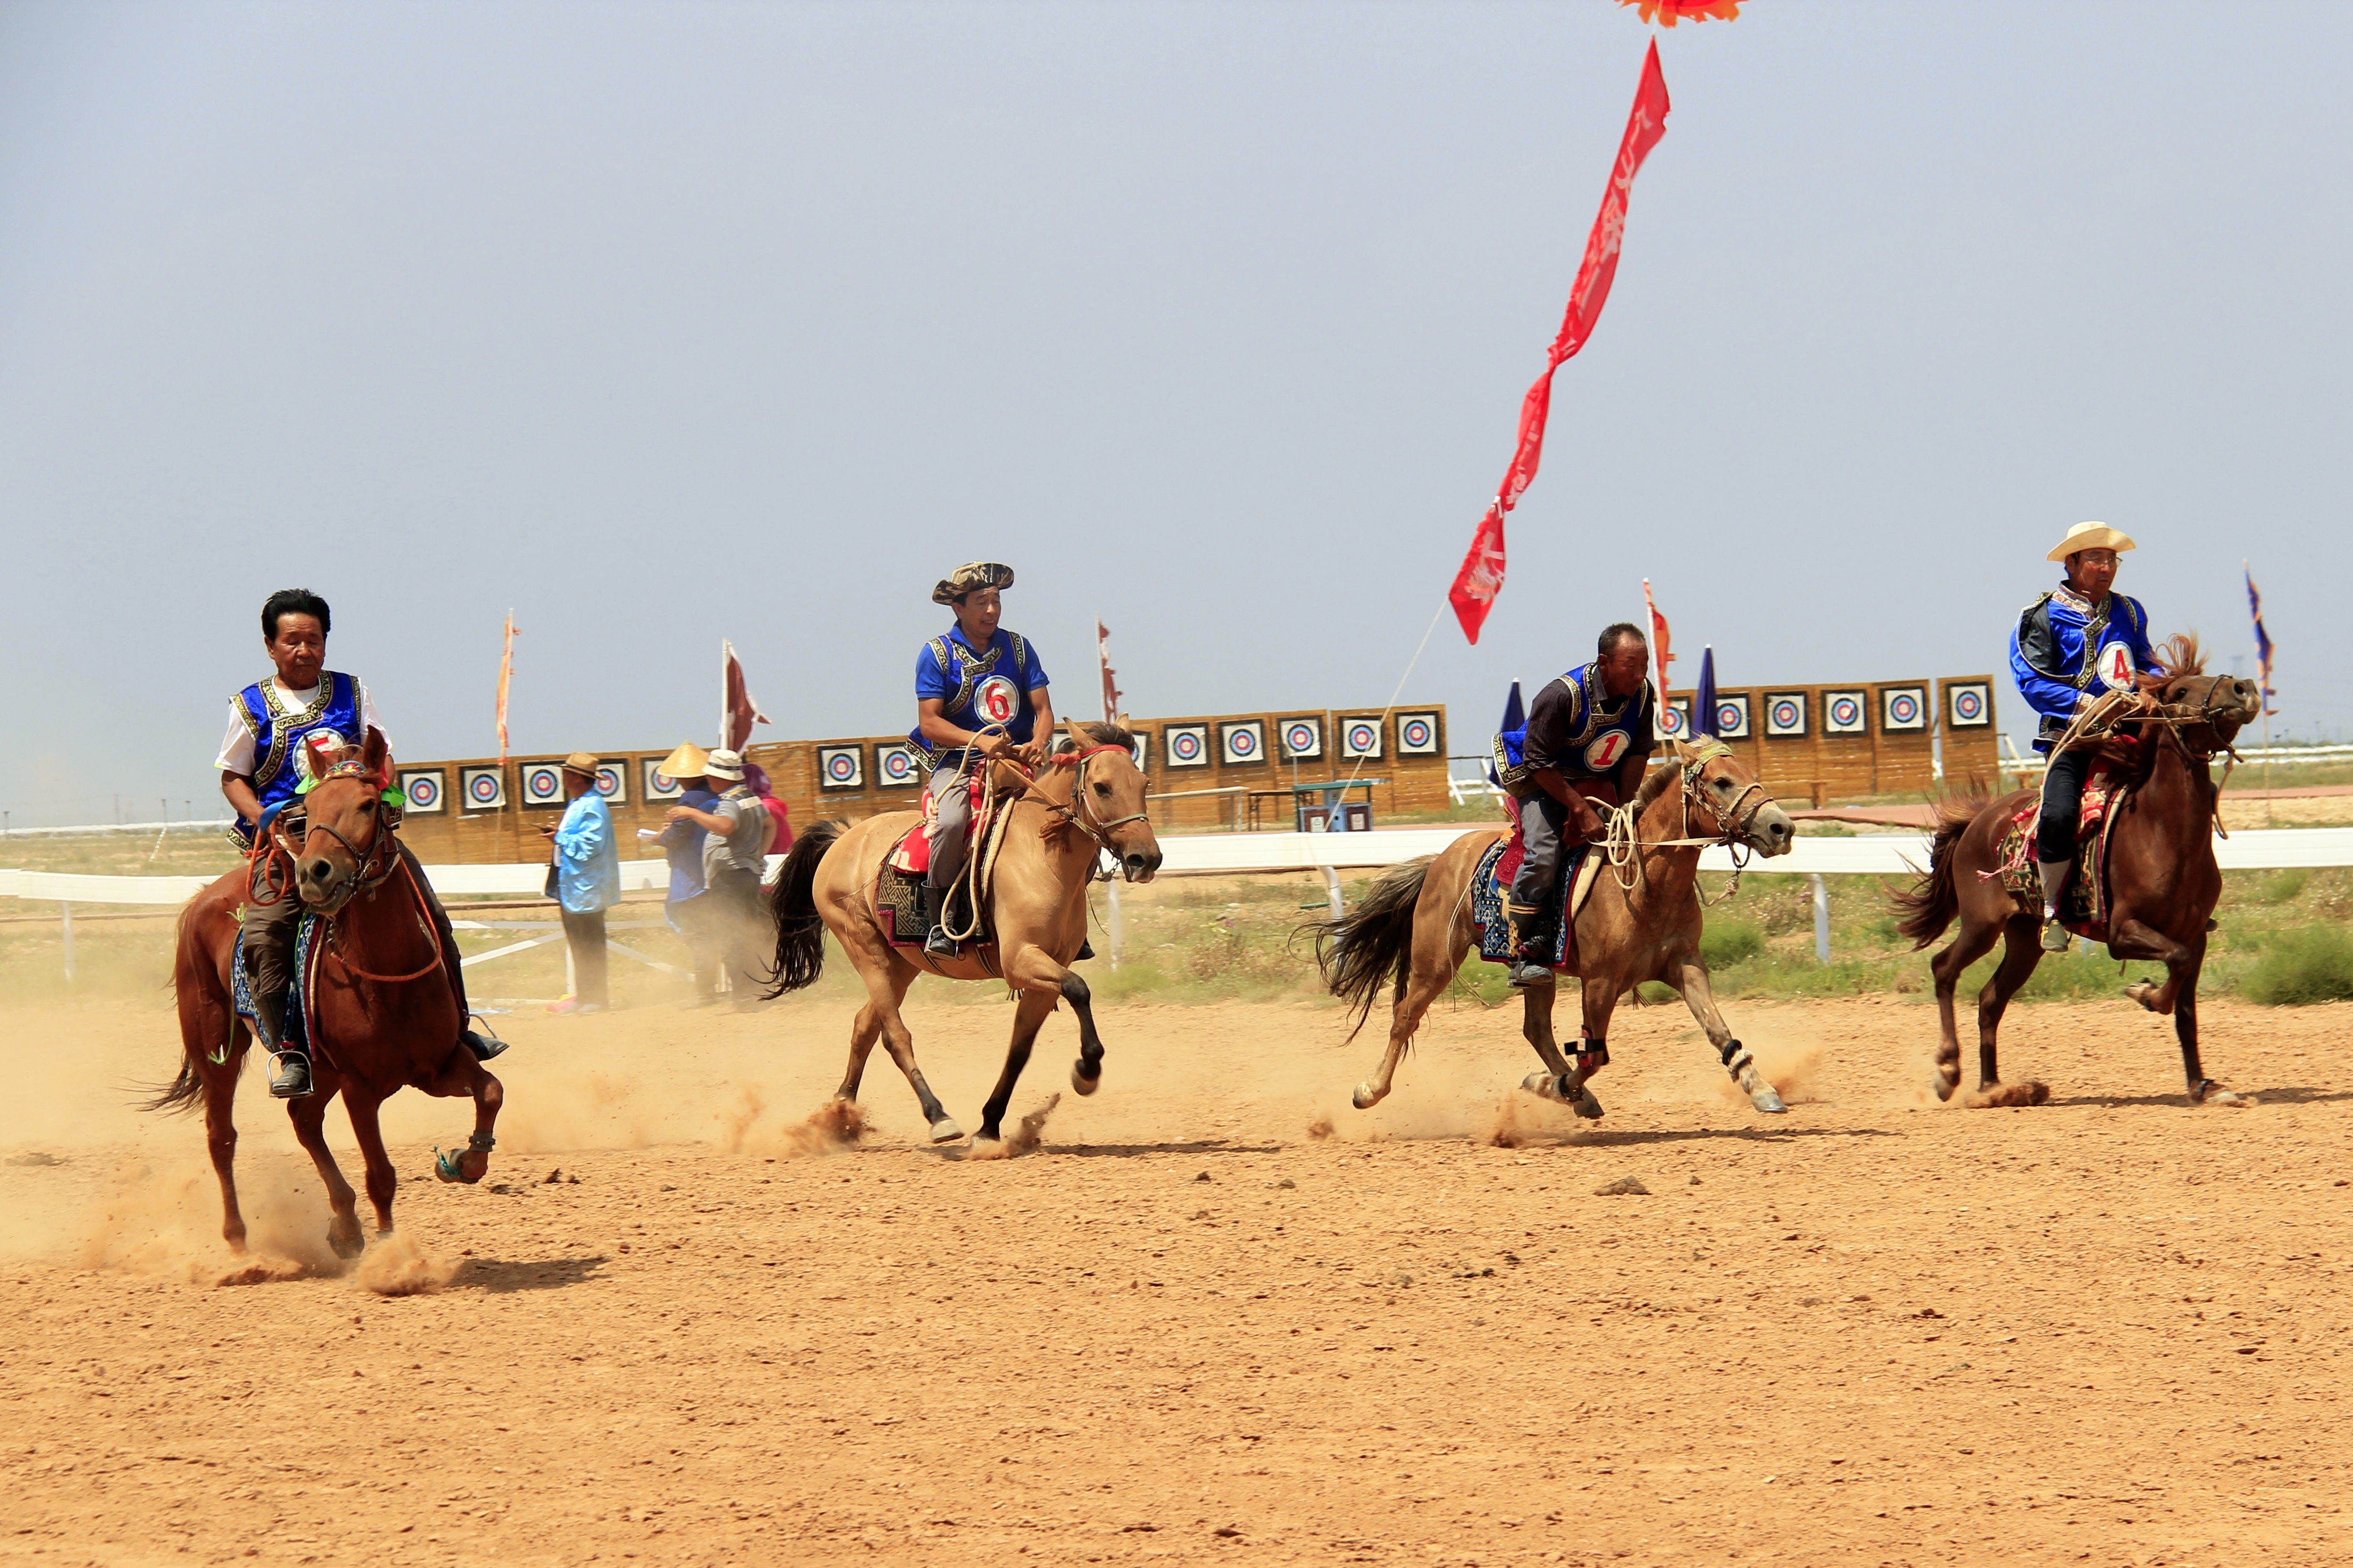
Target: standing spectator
{"points": [[587, 881], [738, 827], [756, 777], [688, 910]]}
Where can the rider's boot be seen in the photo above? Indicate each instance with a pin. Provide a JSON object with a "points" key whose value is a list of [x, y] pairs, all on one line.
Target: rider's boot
{"points": [[1526, 970], [483, 1046], [289, 1070], [936, 940], [2055, 936]]}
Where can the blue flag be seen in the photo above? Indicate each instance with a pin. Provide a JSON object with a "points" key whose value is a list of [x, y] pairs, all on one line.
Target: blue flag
{"points": [[2262, 637], [1515, 716], [1704, 699]]}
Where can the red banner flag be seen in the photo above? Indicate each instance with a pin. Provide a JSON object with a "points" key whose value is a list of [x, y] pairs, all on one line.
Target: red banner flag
{"points": [[738, 709], [1658, 635], [1481, 576], [506, 676], [1111, 692]]}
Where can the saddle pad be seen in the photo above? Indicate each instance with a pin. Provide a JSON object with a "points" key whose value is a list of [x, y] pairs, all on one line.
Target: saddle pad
{"points": [[913, 854], [2084, 909], [899, 907], [300, 1019], [1493, 879]]}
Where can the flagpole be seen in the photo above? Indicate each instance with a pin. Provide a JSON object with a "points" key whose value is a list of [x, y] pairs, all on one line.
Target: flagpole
{"points": [[723, 648]]}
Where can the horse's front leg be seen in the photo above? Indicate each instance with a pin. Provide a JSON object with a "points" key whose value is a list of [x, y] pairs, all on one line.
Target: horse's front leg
{"points": [[461, 1075], [1689, 975], [309, 1115], [1028, 1017], [1037, 973], [2177, 995], [382, 1181]]}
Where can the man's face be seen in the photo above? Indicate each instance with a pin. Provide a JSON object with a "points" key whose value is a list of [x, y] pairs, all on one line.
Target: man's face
{"points": [[977, 613], [299, 649], [576, 785], [2091, 571], [1627, 662]]}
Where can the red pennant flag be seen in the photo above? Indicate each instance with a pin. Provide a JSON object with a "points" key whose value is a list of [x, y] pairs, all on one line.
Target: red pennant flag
{"points": [[739, 710], [1658, 635], [1481, 576], [506, 677]]}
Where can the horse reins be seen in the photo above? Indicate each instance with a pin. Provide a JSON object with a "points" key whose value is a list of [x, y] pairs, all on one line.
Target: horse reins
{"points": [[370, 871]]}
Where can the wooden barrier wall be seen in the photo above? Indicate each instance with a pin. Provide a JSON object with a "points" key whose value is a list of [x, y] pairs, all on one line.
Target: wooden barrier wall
{"points": [[1861, 738], [453, 818]]}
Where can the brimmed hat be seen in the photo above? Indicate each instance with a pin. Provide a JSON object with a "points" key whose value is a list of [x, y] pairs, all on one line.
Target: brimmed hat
{"points": [[2090, 536], [971, 577], [583, 764], [687, 763], [723, 764]]}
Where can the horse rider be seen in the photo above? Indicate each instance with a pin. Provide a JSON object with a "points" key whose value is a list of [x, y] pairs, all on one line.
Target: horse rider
{"points": [[978, 687], [1588, 736], [282, 733], [2075, 645]]}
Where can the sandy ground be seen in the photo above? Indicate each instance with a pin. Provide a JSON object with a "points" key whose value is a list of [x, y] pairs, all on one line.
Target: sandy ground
{"points": [[1193, 1324]]}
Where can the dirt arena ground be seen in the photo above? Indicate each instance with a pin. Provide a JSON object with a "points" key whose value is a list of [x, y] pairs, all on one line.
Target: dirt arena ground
{"points": [[1215, 1315]]}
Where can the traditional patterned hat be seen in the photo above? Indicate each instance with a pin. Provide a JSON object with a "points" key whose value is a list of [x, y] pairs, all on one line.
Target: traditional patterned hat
{"points": [[2090, 536], [687, 763], [583, 764], [971, 577]]}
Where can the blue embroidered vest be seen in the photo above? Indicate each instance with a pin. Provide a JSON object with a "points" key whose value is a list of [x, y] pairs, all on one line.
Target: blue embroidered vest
{"points": [[281, 761], [985, 694], [1596, 742]]}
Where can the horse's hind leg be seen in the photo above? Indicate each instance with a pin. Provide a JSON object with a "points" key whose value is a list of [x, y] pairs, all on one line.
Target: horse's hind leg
{"points": [[863, 1032], [309, 1115], [1977, 940], [887, 979], [462, 1075], [1422, 988], [1563, 1079], [2021, 951]]}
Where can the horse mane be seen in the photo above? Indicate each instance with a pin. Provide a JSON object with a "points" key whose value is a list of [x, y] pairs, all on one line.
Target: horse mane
{"points": [[2180, 655], [1654, 784], [1097, 734]]}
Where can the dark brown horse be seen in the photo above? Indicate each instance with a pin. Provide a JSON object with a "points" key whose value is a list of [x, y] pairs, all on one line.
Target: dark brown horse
{"points": [[387, 1016], [2162, 879], [1413, 928]]}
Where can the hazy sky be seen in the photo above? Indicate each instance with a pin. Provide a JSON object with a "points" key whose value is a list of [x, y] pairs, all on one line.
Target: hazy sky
{"points": [[661, 323]]}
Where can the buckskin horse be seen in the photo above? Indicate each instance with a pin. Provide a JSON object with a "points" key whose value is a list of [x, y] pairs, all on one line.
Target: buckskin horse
{"points": [[2162, 880], [1641, 923], [385, 1016], [1051, 830]]}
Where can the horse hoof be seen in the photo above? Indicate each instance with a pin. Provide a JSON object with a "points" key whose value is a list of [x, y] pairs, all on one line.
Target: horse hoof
{"points": [[2212, 1094], [945, 1130], [1081, 1081], [1585, 1105], [1366, 1097], [1765, 1101], [345, 1247]]}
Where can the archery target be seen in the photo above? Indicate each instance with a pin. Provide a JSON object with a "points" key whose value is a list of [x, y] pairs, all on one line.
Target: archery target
{"points": [[1360, 737], [1903, 708], [1732, 717], [612, 783], [1302, 738], [481, 789], [1968, 705], [1242, 741], [1141, 751], [660, 785], [1187, 745], [423, 787], [1675, 719], [543, 784], [1785, 713], [1417, 734], [1844, 713], [842, 767], [898, 767]]}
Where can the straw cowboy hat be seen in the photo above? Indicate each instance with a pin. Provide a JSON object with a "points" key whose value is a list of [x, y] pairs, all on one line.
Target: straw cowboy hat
{"points": [[723, 764], [2090, 536], [970, 578], [583, 765], [687, 763]]}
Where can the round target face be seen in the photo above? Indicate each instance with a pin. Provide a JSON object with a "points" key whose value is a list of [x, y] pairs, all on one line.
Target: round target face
{"points": [[541, 785], [1185, 745], [1299, 737], [1241, 742], [1845, 711], [842, 767], [664, 781], [483, 788], [1903, 708], [899, 767], [1603, 754], [1785, 715], [2115, 667], [1728, 716], [1414, 733], [423, 791], [1968, 704], [997, 700], [1671, 720], [608, 782], [1363, 737]]}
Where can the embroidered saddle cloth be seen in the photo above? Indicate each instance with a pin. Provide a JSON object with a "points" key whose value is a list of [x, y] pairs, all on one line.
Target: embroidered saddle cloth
{"points": [[302, 1013], [913, 854], [1491, 885], [2084, 909]]}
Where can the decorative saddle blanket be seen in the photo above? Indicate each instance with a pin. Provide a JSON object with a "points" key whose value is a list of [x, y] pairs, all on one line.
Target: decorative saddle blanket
{"points": [[913, 854], [1490, 885], [301, 1018], [2084, 909]]}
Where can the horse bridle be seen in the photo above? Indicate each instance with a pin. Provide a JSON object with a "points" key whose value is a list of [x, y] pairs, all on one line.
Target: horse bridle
{"points": [[1077, 811], [1731, 821], [369, 868]]}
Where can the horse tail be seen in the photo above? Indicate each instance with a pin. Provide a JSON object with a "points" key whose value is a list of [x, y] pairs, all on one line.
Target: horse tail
{"points": [[800, 929], [1372, 944], [1931, 903], [183, 1091]]}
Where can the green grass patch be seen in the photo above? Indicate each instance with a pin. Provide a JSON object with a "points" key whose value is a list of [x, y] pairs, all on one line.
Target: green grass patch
{"points": [[2301, 966]]}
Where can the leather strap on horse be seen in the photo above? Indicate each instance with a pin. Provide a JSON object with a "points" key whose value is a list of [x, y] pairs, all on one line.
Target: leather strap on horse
{"points": [[334, 947]]}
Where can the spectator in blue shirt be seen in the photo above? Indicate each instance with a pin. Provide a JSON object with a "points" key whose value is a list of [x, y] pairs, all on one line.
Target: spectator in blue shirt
{"points": [[587, 881], [689, 909]]}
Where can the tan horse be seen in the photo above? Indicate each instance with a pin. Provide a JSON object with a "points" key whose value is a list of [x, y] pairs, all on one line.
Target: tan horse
{"points": [[387, 1017], [1088, 801], [1414, 928]]}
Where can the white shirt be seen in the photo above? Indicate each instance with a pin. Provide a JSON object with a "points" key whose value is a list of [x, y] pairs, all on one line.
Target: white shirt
{"points": [[237, 746]]}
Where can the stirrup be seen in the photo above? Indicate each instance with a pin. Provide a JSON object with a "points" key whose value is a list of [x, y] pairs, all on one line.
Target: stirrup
{"points": [[290, 1075], [484, 1047], [2056, 937]]}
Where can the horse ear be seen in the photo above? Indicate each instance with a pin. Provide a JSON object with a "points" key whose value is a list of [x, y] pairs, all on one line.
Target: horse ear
{"points": [[1077, 736], [1684, 752], [375, 755]]}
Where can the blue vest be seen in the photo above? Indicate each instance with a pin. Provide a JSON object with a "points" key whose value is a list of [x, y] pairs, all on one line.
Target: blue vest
{"points": [[1597, 742], [281, 761], [991, 688]]}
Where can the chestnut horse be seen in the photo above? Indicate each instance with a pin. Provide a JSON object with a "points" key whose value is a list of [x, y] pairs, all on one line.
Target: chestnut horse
{"points": [[1054, 827], [1640, 922], [2162, 879], [387, 1016]]}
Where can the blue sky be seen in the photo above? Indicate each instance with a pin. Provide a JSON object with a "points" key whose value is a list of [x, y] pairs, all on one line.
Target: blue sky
{"points": [[661, 324]]}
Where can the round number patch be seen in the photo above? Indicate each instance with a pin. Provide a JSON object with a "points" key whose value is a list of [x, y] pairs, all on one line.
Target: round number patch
{"points": [[1603, 753], [997, 700], [2115, 667]]}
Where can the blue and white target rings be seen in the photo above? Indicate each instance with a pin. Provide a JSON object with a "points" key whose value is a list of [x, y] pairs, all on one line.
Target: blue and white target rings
{"points": [[1240, 742], [1302, 738], [1842, 712], [612, 783], [841, 767], [1187, 745], [1968, 705], [1671, 720], [543, 784], [1785, 713], [1360, 737], [1416, 735], [1903, 708], [482, 789], [422, 789], [898, 767]]}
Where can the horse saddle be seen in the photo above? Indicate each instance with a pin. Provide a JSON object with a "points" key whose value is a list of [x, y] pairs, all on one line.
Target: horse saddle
{"points": [[2084, 907], [899, 901], [1490, 887]]}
